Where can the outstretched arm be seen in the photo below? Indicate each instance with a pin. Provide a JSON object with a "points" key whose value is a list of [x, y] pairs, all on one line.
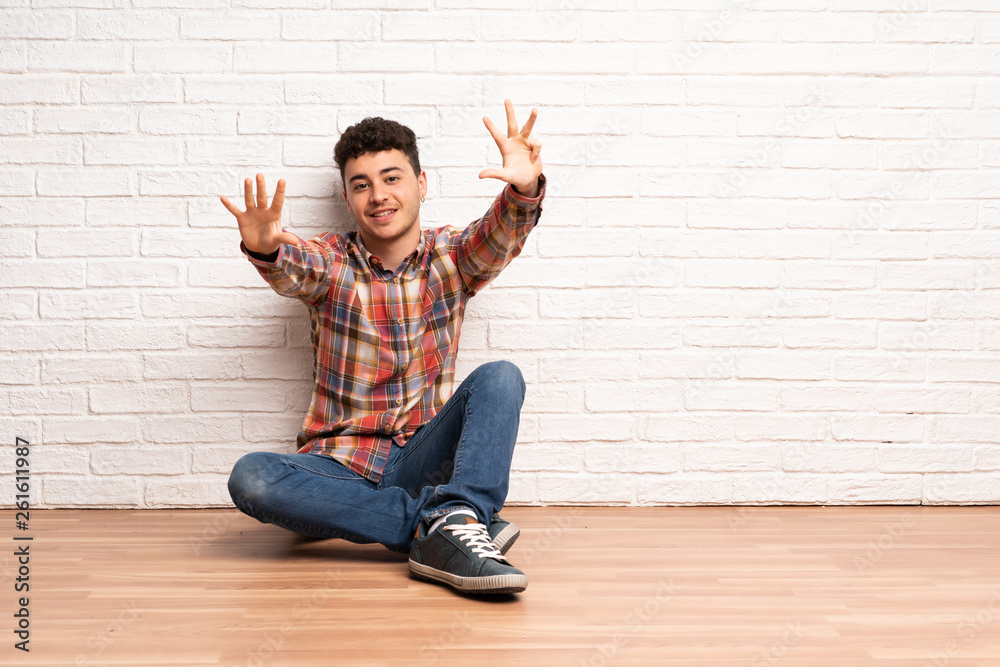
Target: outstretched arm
{"points": [[522, 162], [486, 246], [293, 267]]}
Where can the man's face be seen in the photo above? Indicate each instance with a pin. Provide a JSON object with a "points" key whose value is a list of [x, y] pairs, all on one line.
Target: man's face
{"points": [[384, 195]]}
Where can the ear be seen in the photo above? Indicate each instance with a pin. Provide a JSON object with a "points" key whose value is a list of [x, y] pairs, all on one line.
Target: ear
{"points": [[422, 181]]}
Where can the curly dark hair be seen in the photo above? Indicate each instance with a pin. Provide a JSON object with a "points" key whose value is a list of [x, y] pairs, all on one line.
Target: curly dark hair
{"points": [[374, 135]]}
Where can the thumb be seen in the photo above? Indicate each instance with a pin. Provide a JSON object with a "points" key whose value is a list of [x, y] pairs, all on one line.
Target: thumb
{"points": [[491, 173], [288, 237]]}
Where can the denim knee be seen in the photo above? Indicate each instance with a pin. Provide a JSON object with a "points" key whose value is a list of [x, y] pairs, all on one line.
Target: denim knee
{"points": [[504, 376], [247, 484]]}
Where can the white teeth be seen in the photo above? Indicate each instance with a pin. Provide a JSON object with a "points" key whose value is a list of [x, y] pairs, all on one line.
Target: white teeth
{"points": [[382, 215]]}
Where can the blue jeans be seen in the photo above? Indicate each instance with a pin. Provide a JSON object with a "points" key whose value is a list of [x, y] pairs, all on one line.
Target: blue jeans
{"points": [[460, 458]]}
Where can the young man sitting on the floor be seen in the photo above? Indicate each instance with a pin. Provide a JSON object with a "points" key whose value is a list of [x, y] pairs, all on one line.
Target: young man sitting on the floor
{"points": [[384, 454]]}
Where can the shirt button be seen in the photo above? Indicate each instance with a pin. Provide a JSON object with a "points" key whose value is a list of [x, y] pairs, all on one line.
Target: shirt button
{"points": [[399, 401], [399, 321]]}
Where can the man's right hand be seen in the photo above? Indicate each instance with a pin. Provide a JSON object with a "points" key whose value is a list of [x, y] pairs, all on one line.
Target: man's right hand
{"points": [[260, 225]]}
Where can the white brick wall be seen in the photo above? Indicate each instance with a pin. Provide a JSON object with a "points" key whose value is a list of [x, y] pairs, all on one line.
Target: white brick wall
{"points": [[767, 271]]}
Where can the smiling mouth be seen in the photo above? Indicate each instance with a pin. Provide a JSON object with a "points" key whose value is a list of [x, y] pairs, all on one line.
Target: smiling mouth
{"points": [[381, 215]]}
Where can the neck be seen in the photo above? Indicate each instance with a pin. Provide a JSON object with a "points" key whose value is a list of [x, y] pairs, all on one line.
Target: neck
{"points": [[392, 253]]}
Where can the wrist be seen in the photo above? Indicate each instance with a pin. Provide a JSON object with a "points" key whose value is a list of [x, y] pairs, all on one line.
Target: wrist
{"points": [[260, 254], [530, 190]]}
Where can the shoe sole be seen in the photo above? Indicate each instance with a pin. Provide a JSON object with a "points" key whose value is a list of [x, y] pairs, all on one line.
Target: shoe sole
{"points": [[506, 538], [497, 583]]}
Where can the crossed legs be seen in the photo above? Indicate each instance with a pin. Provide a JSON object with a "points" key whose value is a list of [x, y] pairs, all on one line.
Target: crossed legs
{"points": [[460, 458]]}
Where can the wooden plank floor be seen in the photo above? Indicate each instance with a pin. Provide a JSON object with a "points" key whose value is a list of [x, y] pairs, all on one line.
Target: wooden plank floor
{"points": [[707, 586]]}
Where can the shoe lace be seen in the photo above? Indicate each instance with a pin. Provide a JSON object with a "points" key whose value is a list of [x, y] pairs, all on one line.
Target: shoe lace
{"points": [[477, 539]]}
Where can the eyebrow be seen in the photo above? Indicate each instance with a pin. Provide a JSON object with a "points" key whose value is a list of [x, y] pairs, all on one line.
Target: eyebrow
{"points": [[358, 177]]}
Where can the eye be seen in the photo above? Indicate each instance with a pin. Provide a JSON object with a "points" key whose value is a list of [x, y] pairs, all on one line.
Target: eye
{"points": [[359, 186], [393, 178]]}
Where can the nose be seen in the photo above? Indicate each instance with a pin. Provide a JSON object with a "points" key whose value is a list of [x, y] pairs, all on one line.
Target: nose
{"points": [[378, 194]]}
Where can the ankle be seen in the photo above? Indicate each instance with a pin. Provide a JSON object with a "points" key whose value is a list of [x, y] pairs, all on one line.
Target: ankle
{"points": [[441, 519]]}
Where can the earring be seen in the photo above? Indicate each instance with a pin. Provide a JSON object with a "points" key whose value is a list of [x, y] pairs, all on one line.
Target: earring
{"points": [[421, 199]]}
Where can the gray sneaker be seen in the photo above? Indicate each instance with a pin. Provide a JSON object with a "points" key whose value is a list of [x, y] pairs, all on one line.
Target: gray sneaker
{"points": [[460, 554], [503, 533]]}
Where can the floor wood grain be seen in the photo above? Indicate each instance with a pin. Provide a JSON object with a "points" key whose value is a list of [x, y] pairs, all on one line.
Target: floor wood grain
{"points": [[679, 586]]}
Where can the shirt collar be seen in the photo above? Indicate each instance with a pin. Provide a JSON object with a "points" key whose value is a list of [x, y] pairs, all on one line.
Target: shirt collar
{"points": [[422, 247]]}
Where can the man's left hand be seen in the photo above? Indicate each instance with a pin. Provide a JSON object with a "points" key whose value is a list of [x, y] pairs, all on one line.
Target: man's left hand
{"points": [[522, 163]]}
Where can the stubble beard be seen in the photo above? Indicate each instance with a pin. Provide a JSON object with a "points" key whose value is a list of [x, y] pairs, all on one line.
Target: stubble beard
{"points": [[402, 233]]}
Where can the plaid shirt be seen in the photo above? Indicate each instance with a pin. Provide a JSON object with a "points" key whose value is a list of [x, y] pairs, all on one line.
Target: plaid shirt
{"points": [[384, 343]]}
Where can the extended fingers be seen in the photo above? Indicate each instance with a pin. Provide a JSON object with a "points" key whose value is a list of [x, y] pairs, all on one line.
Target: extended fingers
{"points": [[279, 195], [497, 136], [248, 193], [261, 200], [511, 121], [261, 192], [530, 123], [229, 205]]}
